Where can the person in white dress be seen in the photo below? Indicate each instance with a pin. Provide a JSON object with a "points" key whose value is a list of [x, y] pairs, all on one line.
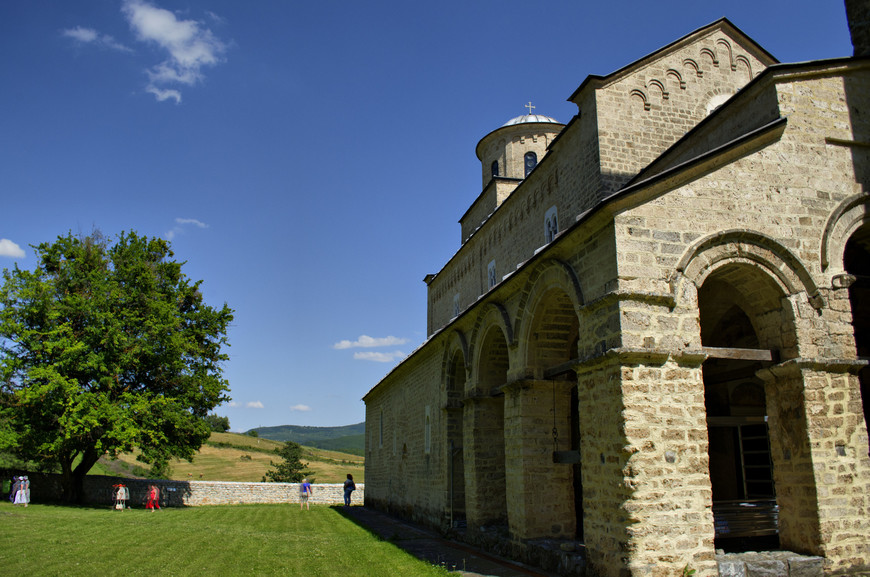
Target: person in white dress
{"points": [[22, 497]]}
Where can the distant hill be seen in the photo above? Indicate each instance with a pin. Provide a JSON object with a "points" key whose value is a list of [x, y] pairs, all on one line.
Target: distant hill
{"points": [[348, 439]]}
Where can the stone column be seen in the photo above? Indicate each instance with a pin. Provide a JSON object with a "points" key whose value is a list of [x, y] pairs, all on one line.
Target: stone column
{"points": [[540, 496], [483, 456], [646, 485], [820, 462]]}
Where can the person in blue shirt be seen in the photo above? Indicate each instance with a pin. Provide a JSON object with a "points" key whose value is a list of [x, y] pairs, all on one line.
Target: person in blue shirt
{"points": [[349, 487], [305, 491]]}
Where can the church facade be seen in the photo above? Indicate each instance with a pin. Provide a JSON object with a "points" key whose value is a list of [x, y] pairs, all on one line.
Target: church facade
{"points": [[651, 343]]}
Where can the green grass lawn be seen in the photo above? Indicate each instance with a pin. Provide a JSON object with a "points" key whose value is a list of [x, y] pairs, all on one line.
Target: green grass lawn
{"points": [[207, 541]]}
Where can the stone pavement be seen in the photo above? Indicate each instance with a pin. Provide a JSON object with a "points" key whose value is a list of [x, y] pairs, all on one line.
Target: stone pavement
{"points": [[423, 543]]}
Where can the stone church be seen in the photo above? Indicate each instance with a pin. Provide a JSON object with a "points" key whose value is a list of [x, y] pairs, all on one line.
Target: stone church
{"points": [[650, 346]]}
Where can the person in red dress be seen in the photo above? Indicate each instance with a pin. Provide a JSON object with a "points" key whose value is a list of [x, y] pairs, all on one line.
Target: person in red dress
{"points": [[153, 498]]}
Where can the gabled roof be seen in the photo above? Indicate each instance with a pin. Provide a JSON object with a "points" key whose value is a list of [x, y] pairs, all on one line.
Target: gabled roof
{"points": [[721, 24]]}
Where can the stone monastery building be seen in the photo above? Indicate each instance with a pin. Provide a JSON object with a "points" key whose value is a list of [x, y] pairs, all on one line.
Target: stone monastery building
{"points": [[651, 344]]}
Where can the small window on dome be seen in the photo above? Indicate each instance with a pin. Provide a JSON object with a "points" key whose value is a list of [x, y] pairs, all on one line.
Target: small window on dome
{"points": [[531, 160], [495, 168]]}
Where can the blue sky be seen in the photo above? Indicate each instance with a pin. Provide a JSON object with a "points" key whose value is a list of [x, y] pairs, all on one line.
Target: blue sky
{"points": [[308, 160]]}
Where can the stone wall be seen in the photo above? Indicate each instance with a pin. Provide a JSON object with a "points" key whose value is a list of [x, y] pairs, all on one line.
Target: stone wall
{"points": [[98, 491]]}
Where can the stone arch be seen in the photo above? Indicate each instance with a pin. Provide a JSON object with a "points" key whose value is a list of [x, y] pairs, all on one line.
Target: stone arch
{"points": [[484, 420], [714, 60], [455, 374], [658, 84], [456, 357], [551, 279], [856, 277], [849, 216], [712, 100], [642, 95], [548, 332], [745, 246], [741, 305], [727, 45], [676, 74], [740, 59], [690, 63], [493, 317], [743, 282]]}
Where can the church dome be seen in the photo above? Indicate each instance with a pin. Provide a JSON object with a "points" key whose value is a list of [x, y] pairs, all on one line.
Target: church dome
{"points": [[528, 118]]}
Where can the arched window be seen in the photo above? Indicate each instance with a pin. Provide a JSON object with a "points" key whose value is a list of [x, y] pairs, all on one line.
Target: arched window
{"points": [[551, 224], [531, 161], [495, 168], [490, 274]]}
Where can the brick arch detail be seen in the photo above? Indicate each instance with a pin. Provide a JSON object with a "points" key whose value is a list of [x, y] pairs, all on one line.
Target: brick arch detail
{"points": [[493, 315], [849, 216], [547, 274], [745, 246]]}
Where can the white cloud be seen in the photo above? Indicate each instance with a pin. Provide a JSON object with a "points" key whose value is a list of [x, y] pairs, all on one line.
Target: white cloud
{"points": [[232, 404], [254, 405], [190, 47], [365, 341], [162, 95], [181, 223], [91, 36], [300, 408], [193, 221], [84, 35], [9, 248], [380, 357]]}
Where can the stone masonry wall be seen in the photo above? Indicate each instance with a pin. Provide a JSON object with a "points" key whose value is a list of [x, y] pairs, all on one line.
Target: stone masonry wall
{"points": [[643, 114], [98, 491], [404, 478]]}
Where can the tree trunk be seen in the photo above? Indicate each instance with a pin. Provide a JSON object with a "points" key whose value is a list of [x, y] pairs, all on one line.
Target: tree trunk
{"points": [[73, 480], [67, 494]]}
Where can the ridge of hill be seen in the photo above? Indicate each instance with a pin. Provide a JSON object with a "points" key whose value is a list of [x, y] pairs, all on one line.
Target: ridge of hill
{"points": [[347, 438]]}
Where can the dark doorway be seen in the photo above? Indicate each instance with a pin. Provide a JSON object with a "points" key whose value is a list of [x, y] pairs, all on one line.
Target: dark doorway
{"points": [[856, 261], [745, 511]]}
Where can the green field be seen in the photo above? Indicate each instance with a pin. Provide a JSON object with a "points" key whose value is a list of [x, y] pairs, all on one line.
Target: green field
{"points": [[233, 540]]}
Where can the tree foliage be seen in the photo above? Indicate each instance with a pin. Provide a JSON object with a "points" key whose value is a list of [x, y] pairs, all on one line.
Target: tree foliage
{"points": [[105, 348], [291, 468], [218, 424]]}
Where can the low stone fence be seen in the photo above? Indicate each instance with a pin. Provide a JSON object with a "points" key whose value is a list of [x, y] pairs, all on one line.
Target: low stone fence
{"points": [[98, 491]]}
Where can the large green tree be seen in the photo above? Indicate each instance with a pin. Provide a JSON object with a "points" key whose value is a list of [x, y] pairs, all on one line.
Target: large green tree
{"points": [[106, 347]]}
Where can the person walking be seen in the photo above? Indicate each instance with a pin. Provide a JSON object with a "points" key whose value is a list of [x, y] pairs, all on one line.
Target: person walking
{"points": [[349, 487], [153, 498], [22, 496], [123, 496], [305, 491], [13, 490]]}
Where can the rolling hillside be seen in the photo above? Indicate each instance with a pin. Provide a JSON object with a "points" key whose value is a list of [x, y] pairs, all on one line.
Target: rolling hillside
{"points": [[235, 457], [347, 439]]}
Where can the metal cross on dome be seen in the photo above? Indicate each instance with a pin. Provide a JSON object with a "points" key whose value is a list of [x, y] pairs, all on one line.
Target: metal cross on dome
{"points": [[529, 106]]}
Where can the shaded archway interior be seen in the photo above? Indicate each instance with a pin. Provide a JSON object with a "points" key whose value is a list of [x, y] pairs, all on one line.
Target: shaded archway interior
{"points": [[856, 261], [554, 337], [740, 308]]}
